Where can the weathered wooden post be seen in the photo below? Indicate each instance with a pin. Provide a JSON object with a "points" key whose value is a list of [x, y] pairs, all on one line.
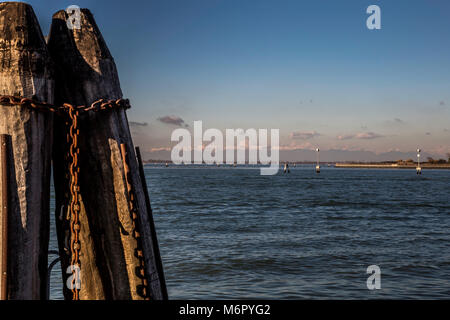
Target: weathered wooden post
{"points": [[26, 72], [158, 259], [4, 217], [117, 253]]}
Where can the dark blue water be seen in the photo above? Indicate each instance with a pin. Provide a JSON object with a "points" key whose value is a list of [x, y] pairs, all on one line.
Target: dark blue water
{"points": [[230, 233]]}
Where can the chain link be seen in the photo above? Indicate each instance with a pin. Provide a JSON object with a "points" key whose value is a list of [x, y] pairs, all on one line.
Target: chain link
{"points": [[99, 105], [74, 190], [29, 103], [75, 227], [142, 289]]}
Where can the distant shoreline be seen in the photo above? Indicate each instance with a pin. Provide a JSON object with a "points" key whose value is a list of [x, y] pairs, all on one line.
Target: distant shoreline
{"points": [[347, 165], [391, 166]]}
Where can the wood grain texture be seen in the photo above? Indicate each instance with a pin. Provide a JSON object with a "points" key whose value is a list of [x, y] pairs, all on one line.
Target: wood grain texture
{"points": [[4, 210], [26, 71], [86, 72]]}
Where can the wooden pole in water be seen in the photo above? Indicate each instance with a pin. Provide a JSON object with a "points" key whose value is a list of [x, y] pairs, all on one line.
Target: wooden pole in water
{"points": [[418, 169], [109, 257], [26, 72], [4, 217], [157, 254], [318, 161]]}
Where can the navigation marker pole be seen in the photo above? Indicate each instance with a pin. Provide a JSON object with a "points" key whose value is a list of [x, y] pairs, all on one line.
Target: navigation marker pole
{"points": [[318, 161], [418, 169]]}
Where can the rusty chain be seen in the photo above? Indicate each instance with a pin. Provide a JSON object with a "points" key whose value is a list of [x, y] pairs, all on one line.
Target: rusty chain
{"points": [[72, 138], [75, 245], [99, 105], [29, 103], [142, 289]]}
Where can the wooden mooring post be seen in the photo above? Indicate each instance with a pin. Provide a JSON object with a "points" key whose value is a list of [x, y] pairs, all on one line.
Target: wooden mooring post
{"points": [[157, 254], [117, 250], [4, 216], [25, 72]]}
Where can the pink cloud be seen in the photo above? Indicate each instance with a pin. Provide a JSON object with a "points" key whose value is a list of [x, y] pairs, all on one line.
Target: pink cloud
{"points": [[360, 135], [304, 135]]}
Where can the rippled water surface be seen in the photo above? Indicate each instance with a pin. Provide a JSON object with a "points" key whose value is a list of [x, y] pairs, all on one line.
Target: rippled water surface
{"points": [[230, 233]]}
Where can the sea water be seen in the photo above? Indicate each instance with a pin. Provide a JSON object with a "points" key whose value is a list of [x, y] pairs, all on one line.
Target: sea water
{"points": [[228, 233]]}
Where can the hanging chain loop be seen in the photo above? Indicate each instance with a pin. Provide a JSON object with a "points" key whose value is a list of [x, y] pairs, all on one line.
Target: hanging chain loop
{"points": [[143, 289], [73, 112], [75, 244]]}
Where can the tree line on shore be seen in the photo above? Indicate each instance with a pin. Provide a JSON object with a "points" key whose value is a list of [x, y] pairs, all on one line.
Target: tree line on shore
{"points": [[430, 160]]}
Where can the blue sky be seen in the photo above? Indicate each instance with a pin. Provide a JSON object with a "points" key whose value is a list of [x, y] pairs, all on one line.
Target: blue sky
{"points": [[310, 68]]}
